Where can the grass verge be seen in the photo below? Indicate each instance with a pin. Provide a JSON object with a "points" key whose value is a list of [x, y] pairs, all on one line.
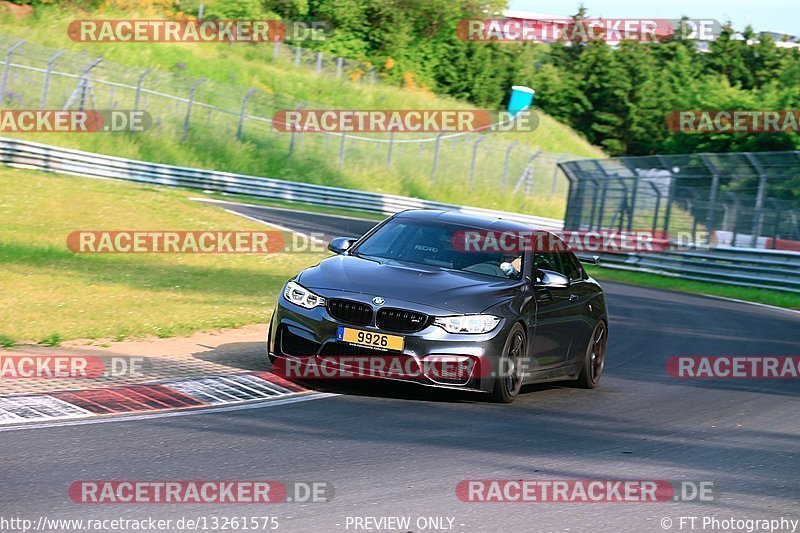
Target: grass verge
{"points": [[52, 295], [763, 296]]}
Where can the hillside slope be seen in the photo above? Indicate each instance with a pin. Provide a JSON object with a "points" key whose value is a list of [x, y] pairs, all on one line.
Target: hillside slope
{"points": [[252, 66]]}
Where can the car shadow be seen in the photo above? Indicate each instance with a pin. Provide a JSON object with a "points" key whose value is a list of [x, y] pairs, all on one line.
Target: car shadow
{"points": [[251, 357], [247, 356]]}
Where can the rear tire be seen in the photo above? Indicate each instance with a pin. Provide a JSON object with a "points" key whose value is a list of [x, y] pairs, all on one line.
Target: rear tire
{"points": [[595, 358], [508, 382]]}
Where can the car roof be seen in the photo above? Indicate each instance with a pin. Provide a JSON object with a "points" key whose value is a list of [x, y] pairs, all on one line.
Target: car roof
{"points": [[464, 219]]}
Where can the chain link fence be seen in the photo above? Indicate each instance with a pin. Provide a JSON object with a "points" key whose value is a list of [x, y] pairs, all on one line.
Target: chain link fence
{"points": [[457, 167], [737, 199], [321, 63]]}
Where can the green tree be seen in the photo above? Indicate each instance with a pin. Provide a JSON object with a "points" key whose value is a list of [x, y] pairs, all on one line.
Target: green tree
{"points": [[600, 112], [727, 54]]}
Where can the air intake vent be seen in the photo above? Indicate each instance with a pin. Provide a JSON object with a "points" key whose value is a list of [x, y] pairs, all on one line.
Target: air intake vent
{"points": [[401, 320], [297, 346], [350, 312]]}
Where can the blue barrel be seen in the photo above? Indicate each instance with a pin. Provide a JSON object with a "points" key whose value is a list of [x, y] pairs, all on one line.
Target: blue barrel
{"points": [[521, 99]]}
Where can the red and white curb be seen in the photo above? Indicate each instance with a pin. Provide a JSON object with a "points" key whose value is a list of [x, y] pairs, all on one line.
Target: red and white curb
{"points": [[176, 395]]}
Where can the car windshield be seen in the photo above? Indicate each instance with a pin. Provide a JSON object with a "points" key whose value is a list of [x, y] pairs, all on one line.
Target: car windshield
{"points": [[437, 244]]}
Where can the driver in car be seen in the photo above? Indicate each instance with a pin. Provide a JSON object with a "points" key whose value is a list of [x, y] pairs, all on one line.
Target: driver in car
{"points": [[511, 265]]}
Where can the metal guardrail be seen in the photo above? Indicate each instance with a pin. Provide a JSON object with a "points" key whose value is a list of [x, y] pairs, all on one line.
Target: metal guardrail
{"points": [[30, 155], [767, 269], [762, 269]]}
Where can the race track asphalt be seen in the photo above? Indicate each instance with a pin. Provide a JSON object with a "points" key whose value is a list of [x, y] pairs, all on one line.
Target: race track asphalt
{"points": [[400, 450]]}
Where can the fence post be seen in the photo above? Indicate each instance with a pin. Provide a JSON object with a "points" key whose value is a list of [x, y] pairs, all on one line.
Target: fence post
{"points": [[762, 189], [526, 179], [735, 218], [505, 164], [559, 159], [7, 68], [657, 208], [582, 195], [673, 185], [241, 115], [139, 82], [568, 214], [776, 227], [623, 205], [606, 179], [276, 48], [297, 52], [85, 79], [474, 158], [712, 198], [319, 62], [341, 149], [339, 63], [83, 83], [437, 144], [189, 108], [602, 208], [292, 135], [391, 145], [632, 207], [47, 73]]}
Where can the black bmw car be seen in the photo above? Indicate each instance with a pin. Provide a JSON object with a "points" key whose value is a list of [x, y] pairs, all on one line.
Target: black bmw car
{"points": [[419, 287]]}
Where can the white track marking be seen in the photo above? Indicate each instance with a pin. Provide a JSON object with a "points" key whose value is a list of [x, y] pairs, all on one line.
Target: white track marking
{"points": [[105, 419], [17, 409], [278, 226]]}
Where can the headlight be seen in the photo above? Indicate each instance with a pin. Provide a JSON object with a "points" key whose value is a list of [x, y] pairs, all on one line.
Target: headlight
{"points": [[299, 295], [467, 323]]}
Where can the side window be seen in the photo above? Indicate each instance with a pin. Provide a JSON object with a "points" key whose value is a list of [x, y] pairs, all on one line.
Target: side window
{"points": [[573, 266], [545, 257], [554, 254]]}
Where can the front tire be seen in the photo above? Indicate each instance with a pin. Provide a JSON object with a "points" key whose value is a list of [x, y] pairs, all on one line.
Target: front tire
{"points": [[508, 382], [271, 357], [595, 358]]}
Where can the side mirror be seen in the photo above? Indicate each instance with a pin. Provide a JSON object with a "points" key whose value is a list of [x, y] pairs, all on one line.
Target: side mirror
{"points": [[551, 280], [589, 259], [340, 245]]}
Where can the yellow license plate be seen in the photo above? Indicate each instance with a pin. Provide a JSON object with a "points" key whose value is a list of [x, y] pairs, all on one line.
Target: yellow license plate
{"points": [[379, 341]]}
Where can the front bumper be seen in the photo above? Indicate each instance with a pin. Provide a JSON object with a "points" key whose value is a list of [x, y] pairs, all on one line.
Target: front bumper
{"points": [[310, 336]]}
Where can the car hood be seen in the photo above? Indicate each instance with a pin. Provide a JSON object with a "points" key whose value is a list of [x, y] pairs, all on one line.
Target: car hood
{"points": [[443, 289]]}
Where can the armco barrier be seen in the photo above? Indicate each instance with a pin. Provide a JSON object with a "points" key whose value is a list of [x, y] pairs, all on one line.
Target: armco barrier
{"points": [[29, 155], [734, 266], [744, 267]]}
